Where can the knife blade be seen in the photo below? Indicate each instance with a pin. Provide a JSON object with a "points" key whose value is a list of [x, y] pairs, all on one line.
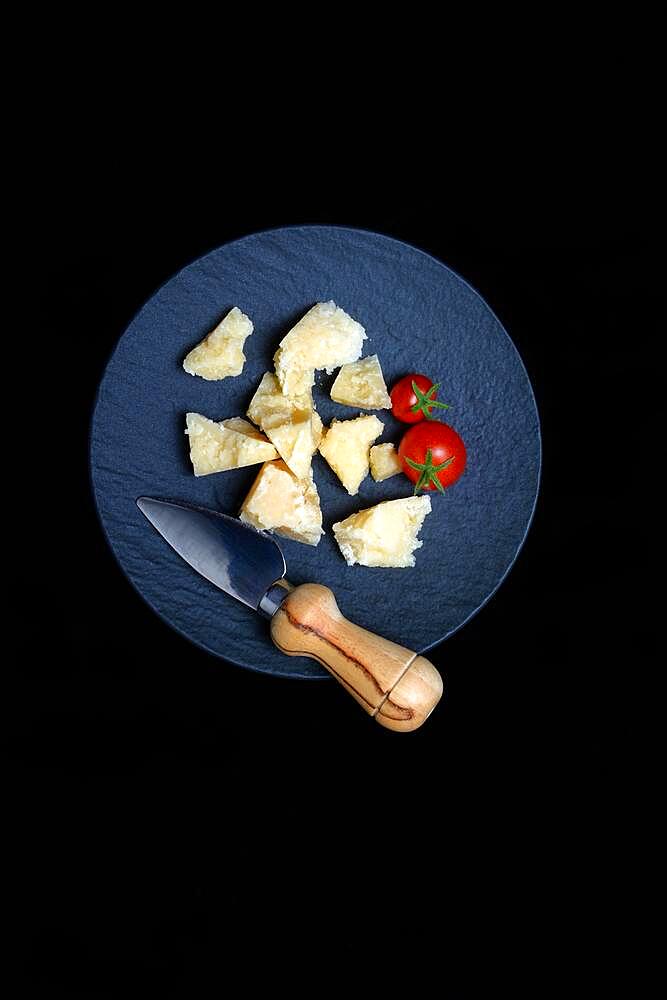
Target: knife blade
{"points": [[234, 556], [393, 684]]}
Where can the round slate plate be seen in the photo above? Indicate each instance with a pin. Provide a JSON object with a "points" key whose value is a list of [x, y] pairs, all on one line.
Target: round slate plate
{"points": [[419, 316]]}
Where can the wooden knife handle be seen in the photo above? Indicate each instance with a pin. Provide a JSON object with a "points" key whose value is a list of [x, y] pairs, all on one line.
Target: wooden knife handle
{"points": [[394, 685]]}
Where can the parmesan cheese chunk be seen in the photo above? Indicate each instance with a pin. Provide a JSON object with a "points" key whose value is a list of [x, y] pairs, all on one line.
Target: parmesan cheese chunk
{"points": [[362, 383], [294, 444], [270, 408], [242, 426], [318, 430], [384, 535], [229, 444], [346, 446], [280, 502], [384, 462], [220, 354], [290, 422], [326, 337]]}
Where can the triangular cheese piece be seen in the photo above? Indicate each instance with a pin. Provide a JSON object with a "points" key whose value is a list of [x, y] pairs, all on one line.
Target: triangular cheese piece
{"points": [[220, 354], [346, 447], [294, 444], [383, 535], [362, 383], [215, 447], [280, 502]]}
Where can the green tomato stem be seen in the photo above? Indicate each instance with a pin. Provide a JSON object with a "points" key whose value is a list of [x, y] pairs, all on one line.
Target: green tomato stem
{"points": [[425, 403], [428, 472]]}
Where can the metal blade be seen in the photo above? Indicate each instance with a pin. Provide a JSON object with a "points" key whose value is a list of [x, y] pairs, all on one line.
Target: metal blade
{"points": [[235, 557]]}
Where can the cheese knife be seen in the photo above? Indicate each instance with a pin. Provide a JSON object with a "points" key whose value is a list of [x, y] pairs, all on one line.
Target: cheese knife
{"points": [[398, 688]]}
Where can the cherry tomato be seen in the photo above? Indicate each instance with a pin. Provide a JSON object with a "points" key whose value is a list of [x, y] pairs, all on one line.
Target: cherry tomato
{"points": [[413, 397], [433, 455]]}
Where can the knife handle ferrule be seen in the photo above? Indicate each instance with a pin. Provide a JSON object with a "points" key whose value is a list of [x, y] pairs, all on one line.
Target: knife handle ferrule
{"points": [[274, 597]]}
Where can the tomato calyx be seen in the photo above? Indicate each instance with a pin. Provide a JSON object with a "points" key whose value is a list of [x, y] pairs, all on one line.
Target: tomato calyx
{"points": [[428, 471], [425, 402]]}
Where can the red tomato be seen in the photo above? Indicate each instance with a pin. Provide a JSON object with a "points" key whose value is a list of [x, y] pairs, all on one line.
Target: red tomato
{"points": [[411, 406], [433, 456]]}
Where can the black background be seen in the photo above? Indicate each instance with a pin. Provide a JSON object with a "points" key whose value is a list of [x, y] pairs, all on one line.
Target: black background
{"points": [[187, 820]]}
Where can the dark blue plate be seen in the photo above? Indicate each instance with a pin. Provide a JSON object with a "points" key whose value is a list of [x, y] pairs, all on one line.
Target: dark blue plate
{"points": [[419, 316]]}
